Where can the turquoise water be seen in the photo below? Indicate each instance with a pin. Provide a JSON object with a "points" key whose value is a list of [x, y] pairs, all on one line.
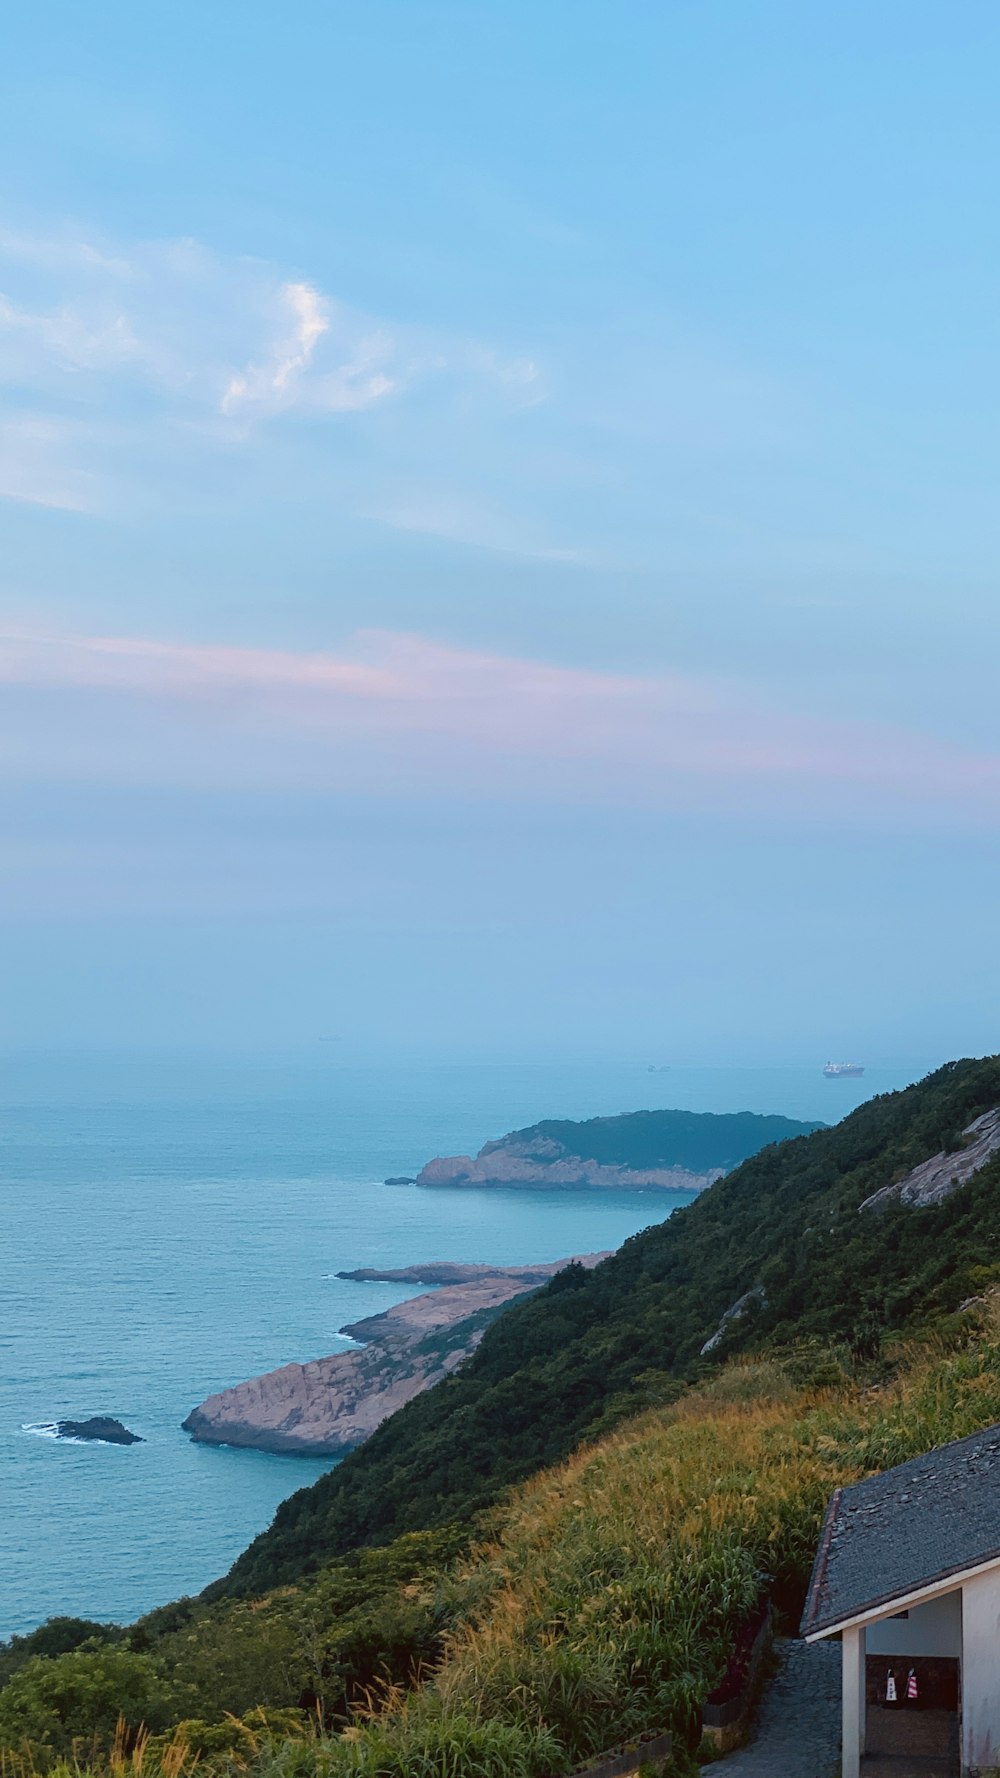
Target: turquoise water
{"points": [[167, 1231]]}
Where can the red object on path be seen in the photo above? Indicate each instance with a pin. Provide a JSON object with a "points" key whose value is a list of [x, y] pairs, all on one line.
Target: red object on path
{"points": [[911, 1687]]}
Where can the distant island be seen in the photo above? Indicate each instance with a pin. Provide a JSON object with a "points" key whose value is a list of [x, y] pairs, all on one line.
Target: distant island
{"points": [[679, 1151]]}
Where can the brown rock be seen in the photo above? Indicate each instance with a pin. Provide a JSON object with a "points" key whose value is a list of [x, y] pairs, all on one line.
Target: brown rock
{"points": [[542, 1165], [327, 1407]]}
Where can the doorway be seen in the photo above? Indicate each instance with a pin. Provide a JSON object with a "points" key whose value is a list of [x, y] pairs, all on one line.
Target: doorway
{"points": [[911, 1735]]}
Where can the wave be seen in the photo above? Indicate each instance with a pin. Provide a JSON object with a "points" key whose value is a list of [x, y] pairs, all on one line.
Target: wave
{"points": [[50, 1429]]}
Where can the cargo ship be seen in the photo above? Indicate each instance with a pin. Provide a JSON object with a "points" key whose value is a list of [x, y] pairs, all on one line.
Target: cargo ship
{"points": [[843, 1070]]}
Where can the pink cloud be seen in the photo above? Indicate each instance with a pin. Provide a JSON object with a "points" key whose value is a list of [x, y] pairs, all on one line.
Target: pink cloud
{"points": [[451, 716]]}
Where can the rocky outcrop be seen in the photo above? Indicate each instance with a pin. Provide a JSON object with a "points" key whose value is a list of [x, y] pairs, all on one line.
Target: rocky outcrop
{"points": [[937, 1178], [328, 1406], [541, 1164], [735, 1312], [101, 1428]]}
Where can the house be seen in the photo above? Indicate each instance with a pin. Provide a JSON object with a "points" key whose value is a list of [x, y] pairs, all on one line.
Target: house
{"points": [[907, 1574]]}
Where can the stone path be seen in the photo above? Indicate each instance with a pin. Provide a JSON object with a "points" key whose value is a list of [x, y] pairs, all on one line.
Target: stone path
{"points": [[797, 1733]]}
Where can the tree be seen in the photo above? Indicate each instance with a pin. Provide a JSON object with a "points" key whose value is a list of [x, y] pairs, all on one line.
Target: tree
{"points": [[78, 1696]]}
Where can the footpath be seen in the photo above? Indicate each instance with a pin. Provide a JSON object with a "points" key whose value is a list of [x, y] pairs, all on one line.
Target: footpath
{"points": [[797, 1733]]}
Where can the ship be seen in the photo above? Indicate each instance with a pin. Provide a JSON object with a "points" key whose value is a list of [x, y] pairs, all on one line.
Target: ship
{"points": [[843, 1070]]}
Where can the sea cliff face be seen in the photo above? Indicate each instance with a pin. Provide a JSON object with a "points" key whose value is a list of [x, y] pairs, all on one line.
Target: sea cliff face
{"points": [[540, 1164], [328, 1406]]}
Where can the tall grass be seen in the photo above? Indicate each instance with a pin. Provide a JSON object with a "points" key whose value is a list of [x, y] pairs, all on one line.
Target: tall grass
{"points": [[606, 1603]]}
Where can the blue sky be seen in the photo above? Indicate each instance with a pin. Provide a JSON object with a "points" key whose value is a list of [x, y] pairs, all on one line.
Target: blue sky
{"points": [[498, 528]]}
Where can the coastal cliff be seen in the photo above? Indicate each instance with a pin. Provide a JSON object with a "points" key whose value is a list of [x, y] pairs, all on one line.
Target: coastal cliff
{"points": [[543, 1166], [328, 1406], [675, 1151]]}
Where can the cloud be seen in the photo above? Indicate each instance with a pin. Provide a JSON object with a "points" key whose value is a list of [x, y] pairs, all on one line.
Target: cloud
{"points": [[72, 338], [273, 382], [62, 251], [162, 376], [406, 710], [169, 322]]}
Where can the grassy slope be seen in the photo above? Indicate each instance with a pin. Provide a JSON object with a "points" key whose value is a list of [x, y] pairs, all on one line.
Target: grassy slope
{"points": [[592, 1347], [604, 1605]]}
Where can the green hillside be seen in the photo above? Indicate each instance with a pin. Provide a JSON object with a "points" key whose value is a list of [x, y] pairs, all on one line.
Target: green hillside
{"points": [[601, 1598], [604, 1605], [697, 1140], [592, 1347]]}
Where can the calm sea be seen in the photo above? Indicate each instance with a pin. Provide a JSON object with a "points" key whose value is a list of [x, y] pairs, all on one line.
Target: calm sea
{"points": [[168, 1230]]}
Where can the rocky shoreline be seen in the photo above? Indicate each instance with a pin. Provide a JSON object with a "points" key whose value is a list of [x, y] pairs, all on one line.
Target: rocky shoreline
{"points": [[527, 1168], [328, 1406]]}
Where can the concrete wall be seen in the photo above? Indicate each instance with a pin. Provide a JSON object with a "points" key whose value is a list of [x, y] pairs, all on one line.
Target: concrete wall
{"points": [[931, 1629], [981, 1672]]}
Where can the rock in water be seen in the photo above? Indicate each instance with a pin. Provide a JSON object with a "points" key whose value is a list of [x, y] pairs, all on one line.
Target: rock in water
{"points": [[100, 1428]]}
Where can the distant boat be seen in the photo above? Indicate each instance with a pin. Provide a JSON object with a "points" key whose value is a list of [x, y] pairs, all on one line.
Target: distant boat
{"points": [[661, 1068], [843, 1070]]}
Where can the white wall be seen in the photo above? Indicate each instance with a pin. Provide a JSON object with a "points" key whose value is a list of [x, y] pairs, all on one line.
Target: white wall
{"points": [[931, 1629], [853, 1701], [981, 1672]]}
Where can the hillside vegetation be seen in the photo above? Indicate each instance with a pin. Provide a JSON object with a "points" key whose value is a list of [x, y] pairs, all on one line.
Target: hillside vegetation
{"points": [[593, 1347], [474, 1637], [602, 1604], [696, 1140]]}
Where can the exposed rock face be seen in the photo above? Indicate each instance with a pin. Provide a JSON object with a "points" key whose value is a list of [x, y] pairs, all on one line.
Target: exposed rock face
{"points": [[544, 1165], [734, 1313], [937, 1178], [100, 1428], [327, 1407]]}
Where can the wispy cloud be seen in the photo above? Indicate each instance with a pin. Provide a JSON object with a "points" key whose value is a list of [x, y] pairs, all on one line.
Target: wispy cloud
{"points": [[273, 382], [440, 717], [72, 339], [459, 518], [172, 351], [43, 463], [62, 250]]}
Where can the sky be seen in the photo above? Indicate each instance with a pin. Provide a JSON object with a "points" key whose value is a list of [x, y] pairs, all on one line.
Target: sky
{"points": [[499, 529]]}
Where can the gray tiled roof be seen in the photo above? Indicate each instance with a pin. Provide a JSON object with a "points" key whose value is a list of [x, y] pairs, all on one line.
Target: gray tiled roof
{"points": [[905, 1529]]}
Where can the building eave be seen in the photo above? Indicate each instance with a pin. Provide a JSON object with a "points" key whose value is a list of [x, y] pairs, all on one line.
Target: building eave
{"points": [[819, 1564], [890, 1603]]}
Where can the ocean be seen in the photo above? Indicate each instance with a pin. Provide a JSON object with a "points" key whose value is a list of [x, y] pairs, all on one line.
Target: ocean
{"points": [[170, 1229]]}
